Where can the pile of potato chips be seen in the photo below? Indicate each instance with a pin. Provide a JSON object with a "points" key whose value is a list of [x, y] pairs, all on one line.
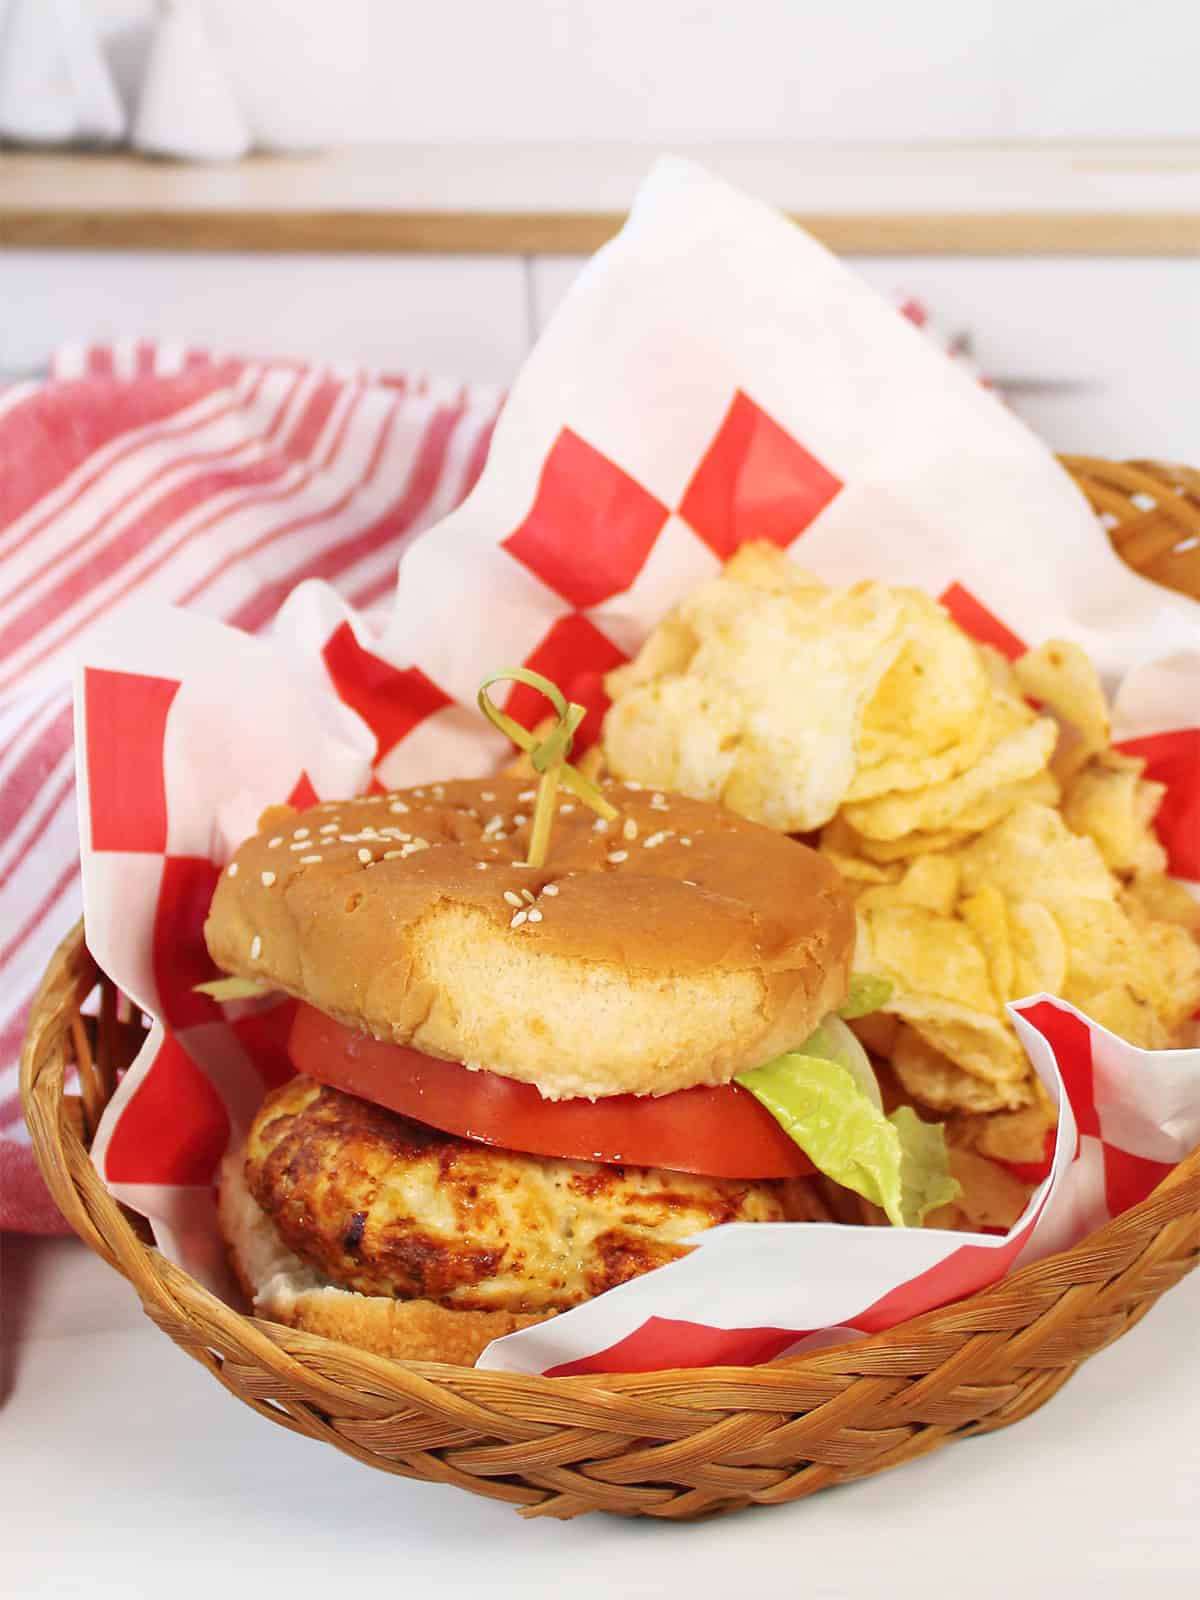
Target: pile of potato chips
{"points": [[994, 849]]}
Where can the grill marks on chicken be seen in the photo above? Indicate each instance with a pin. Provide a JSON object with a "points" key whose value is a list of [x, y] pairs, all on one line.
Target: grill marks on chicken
{"points": [[384, 1205]]}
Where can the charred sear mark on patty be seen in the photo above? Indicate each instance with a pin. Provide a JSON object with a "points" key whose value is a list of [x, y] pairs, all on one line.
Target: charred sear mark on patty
{"points": [[384, 1205]]}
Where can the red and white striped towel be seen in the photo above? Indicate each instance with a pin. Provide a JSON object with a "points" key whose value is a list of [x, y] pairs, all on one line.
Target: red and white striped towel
{"points": [[202, 480]]}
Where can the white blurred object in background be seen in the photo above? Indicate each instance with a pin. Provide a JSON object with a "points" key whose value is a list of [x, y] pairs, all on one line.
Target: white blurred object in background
{"points": [[55, 85], [187, 107], [287, 71]]}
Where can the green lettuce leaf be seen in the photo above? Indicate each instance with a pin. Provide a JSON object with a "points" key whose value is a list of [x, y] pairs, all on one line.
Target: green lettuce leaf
{"points": [[899, 1162], [867, 994], [834, 1041], [234, 988]]}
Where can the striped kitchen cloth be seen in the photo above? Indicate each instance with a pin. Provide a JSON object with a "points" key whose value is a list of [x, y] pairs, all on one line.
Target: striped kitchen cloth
{"points": [[201, 480]]}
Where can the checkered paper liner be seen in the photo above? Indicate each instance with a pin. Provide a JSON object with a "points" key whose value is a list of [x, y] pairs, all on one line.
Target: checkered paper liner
{"points": [[715, 376]]}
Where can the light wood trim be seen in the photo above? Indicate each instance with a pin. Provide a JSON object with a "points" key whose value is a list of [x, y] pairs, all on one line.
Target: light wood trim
{"points": [[581, 232]]}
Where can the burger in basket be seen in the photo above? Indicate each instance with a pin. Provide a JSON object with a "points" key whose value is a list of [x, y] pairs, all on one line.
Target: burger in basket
{"points": [[549, 1031]]}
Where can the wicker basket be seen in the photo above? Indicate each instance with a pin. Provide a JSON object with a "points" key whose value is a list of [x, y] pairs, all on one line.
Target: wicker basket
{"points": [[674, 1444]]}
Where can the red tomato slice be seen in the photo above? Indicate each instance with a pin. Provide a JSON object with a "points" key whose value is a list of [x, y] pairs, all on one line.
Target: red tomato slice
{"points": [[721, 1132]]}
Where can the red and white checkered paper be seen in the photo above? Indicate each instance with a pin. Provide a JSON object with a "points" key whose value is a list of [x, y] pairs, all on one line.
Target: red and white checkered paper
{"points": [[715, 376]]}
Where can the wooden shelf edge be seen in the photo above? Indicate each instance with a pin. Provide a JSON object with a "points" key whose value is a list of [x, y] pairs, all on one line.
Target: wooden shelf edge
{"points": [[579, 233]]}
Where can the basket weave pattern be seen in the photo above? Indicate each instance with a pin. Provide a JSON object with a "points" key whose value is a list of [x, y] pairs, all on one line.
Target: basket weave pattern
{"points": [[674, 1444]]}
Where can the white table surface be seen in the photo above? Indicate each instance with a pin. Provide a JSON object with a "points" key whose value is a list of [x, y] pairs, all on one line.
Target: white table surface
{"points": [[125, 1470]]}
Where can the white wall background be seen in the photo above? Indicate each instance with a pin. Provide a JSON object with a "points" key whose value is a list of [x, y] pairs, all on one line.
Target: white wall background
{"points": [[686, 71]]}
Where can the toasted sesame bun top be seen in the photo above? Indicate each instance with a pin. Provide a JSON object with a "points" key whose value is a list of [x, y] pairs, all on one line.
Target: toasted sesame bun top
{"points": [[674, 946]]}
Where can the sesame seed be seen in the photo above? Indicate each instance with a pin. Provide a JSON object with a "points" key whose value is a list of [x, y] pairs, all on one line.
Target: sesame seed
{"points": [[518, 863], [268, 878], [658, 802], [685, 840], [630, 828], [518, 918], [655, 839], [420, 793], [329, 827], [273, 844], [364, 855], [481, 866], [617, 855], [439, 792], [390, 855], [519, 819], [255, 948], [632, 785], [526, 794], [550, 888], [600, 825], [513, 898], [300, 833], [689, 883], [398, 807], [527, 896], [566, 810], [486, 794], [233, 869], [307, 861], [493, 824], [535, 916]]}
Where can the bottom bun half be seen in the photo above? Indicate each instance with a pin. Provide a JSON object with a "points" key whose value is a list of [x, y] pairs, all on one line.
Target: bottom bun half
{"points": [[281, 1288]]}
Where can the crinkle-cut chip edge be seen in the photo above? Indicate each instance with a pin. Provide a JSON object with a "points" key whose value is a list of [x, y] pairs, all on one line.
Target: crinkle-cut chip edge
{"points": [[1017, 755]]}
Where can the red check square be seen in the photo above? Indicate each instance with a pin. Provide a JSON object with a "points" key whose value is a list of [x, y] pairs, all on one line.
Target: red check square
{"points": [[391, 700], [174, 1129], [591, 525], [181, 958], [755, 482], [126, 726], [575, 655]]}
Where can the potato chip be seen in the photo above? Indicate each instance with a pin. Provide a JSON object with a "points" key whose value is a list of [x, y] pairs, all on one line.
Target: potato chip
{"points": [[1040, 789], [989, 1196], [977, 1041], [1018, 1136], [931, 882], [1017, 755], [1171, 961], [765, 717], [1061, 676], [923, 953], [763, 565], [933, 1079], [1119, 1010], [1039, 950], [1157, 898], [986, 914], [927, 720], [911, 845], [1033, 852], [877, 1032], [1110, 802], [665, 653], [857, 870]]}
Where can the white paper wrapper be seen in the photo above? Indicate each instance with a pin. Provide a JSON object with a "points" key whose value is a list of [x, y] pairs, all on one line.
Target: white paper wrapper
{"points": [[714, 376]]}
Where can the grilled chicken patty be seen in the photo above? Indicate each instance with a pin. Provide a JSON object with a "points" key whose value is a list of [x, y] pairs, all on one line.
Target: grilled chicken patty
{"points": [[384, 1205]]}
